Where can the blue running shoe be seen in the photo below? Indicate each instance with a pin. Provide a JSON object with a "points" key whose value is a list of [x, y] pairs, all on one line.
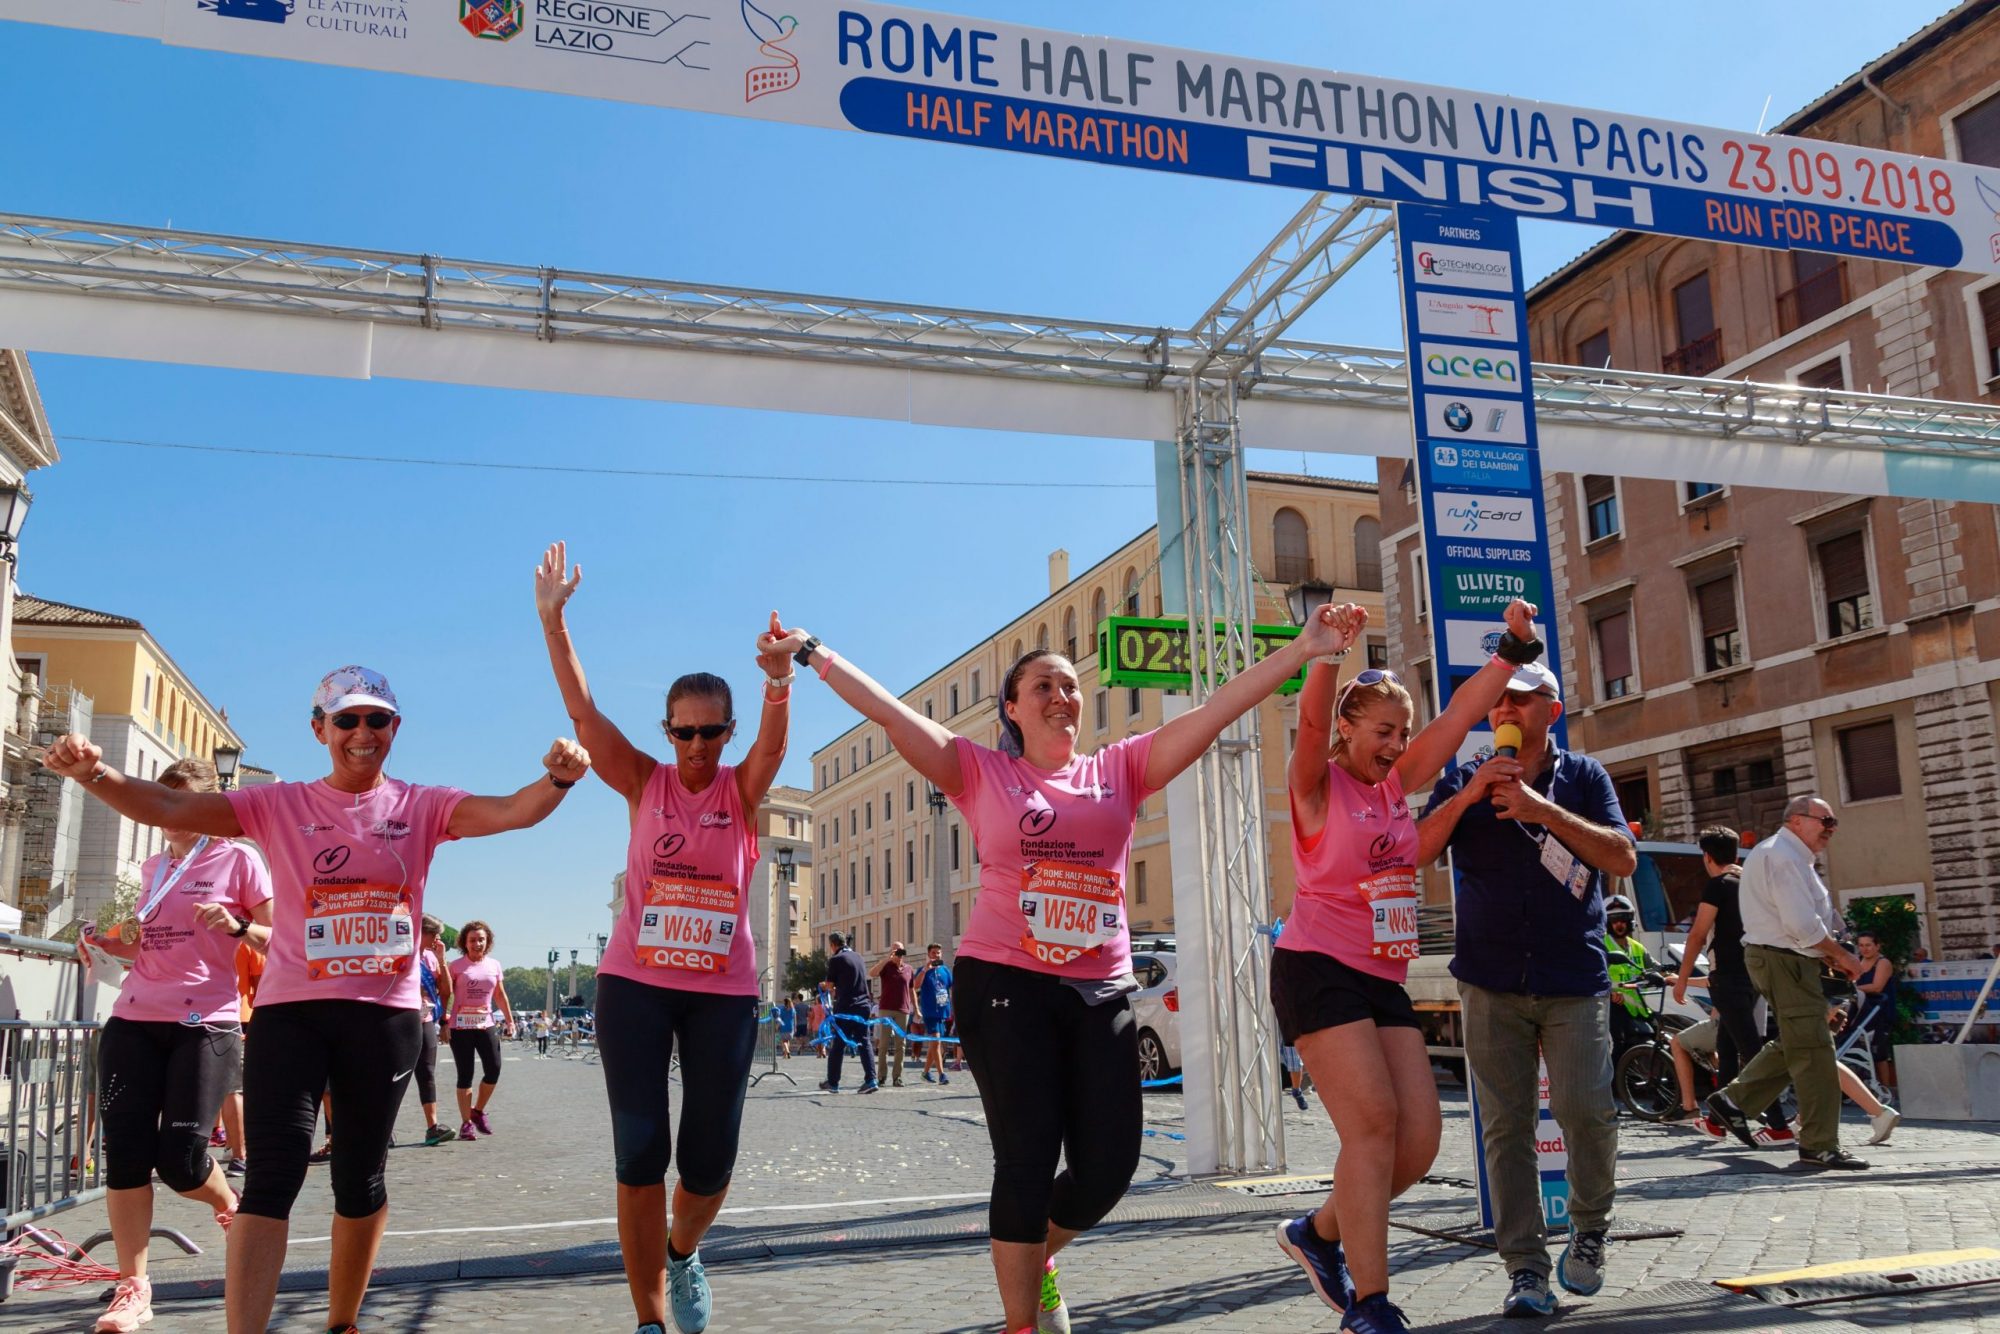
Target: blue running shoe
{"points": [[687, 1294], [650, 1327], [1530, 1296], [1581, 1268], [1375, 1316], [1325, 1262]]}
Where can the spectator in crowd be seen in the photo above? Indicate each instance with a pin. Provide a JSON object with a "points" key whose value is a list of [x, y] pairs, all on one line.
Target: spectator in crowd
{"points": [[893, 1007], [852, 1010], [932, 987]]}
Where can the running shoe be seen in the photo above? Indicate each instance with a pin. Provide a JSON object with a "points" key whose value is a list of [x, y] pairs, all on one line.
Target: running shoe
{"points": [[929, 1078], [1730, 1117], [687, 1293], [870, 1087], [1581, 1266], [1836, 1159], [1679, 1114], [1324, 1261], [943, 1078], [651, 1327], [1885, 1123], [1769, 1138], [1299, 1097], [237, 1167], [343, 1329], [466, 1132], [323, 1154], [479, 1119], [217, 1138], [1529, 1297], [439, 1134], [825, 1087], [1052, 1316], [1710, 1127], [1375, 1315], [131, 1306]]}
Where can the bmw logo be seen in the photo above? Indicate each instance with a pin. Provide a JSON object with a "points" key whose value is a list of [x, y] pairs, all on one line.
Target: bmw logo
{"points": [[1457, 416]]}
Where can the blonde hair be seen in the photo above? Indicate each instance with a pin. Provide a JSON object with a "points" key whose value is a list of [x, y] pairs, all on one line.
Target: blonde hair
{"points": [[190, 776], [1356, 699]]}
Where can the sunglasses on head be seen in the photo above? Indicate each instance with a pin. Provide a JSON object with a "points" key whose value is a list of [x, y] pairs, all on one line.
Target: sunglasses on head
{"points": [[347, 722], [1374, 676], [707, 731]]}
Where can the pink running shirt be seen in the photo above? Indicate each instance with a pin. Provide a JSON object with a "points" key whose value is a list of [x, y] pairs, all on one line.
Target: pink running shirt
{"points": [[349, 868], [686, 922], [472, 988], [186, 971], [1357, 882], [1052, 849]]}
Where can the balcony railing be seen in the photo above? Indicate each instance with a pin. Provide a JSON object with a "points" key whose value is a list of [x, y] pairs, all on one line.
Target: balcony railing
{"points": [[1821, 294], [1699, 357]]}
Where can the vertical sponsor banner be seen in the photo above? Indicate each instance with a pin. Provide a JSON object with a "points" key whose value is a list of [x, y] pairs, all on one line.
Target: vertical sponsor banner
{"points": [[1479, 484], [1551, 1157]]}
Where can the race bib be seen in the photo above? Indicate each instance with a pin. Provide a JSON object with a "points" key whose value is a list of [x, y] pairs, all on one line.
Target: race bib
{"points": [[358, 930], [1561, 863], [473, 1016], [1070, 911], [689, 926], [1392, 904]]}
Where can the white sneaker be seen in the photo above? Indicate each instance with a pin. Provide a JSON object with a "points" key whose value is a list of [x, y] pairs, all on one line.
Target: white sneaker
{"points": [[1885, 1123]]}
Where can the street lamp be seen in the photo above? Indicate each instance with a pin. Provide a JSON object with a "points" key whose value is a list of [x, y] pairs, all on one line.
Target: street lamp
{"points": [[1303, 598], [940, 874], [14, 502], [787, 868], [226, 760]]}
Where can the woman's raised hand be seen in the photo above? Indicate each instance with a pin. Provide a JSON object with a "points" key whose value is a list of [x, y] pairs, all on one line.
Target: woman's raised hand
{"points": [[554, 583], [567, 762], [1521, 619], [775, 648], [72, 756], [1333, 628]]}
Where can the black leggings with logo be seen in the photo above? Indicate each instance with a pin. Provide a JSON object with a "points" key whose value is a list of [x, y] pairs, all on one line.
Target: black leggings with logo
{"points": [[161, 1085], [1059, 1079], [358, 1053], [484, 1043], [639, 1028]]}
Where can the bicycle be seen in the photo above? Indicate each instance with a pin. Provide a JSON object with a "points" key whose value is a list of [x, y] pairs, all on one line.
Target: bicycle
{"points": [[1643, 1077]]}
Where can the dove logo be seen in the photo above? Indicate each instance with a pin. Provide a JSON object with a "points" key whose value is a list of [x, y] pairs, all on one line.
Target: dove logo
{"points": [[1990, 197], [782, 75]]}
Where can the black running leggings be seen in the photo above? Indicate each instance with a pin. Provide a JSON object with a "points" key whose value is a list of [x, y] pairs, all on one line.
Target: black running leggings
{"points": [[359, 1054], [1059, 1079], [638, 1027], [427, 1059], [482, 1042], [161, 1085]]}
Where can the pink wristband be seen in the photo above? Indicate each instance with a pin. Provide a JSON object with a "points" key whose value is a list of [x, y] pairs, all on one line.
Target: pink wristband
{"points": [[826, 666]]}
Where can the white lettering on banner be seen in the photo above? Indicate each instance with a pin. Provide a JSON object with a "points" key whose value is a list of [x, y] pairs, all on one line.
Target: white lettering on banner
{"points": [[1458, 366], [1466, 317], [1496, 518], [1435, 265], [884, 70], [1502, 420]]}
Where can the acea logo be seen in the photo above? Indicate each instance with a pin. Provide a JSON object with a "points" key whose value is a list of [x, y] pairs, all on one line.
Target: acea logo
{"points": [[1456, 366], [771, 34], [493, 20], [265, 11]]}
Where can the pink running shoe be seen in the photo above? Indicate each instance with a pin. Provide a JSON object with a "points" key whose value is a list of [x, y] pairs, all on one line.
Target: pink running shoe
{"points": [[479, 1119], [131, 1306], [466, 1132]]}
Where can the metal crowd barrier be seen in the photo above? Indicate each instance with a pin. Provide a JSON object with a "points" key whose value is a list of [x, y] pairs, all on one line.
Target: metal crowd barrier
{"points": [[51, 1153]]}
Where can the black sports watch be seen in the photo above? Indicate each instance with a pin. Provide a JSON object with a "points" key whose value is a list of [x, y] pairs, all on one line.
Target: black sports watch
{"points": [[804, 657], [242, 926], [1519, 652]]}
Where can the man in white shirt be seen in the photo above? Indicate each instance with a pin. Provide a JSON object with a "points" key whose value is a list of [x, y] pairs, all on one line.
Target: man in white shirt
{"points": [[1791, 930]]}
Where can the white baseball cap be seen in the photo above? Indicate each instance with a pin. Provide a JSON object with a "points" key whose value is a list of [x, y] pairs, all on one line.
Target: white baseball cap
{"points": [[1535, 676], [347, 687]]}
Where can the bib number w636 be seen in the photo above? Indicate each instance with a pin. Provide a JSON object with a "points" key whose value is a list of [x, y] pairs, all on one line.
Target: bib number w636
{"points": [[688, 925]]}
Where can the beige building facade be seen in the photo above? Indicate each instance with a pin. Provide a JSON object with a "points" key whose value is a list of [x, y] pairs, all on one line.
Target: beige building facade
{"points": [[877, 833], [781, 897], [1727, 646], [26, 443]]}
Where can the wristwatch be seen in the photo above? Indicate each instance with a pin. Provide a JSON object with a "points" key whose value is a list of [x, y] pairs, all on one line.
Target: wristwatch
{"points": [[1517, 651], [242, 926], [804, 657]]}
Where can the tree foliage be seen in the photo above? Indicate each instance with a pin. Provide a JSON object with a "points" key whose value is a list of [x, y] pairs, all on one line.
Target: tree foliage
{"points": [[804, 972], [1892, 919]]}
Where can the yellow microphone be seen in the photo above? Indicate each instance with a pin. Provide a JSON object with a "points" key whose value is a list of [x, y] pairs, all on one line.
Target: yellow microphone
{"points": [[1507, 741]]}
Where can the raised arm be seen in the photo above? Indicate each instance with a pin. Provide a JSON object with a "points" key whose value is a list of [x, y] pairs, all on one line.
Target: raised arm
{"points": [[920, 740], [1430, 749], [760, 767], [476, 817], [618, 762], [1180, 742], [150, 803], [1305, 772], [1704, 922]]}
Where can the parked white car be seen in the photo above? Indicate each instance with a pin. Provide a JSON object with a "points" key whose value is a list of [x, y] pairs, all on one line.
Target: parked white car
{"points": [[1156, 1008]]}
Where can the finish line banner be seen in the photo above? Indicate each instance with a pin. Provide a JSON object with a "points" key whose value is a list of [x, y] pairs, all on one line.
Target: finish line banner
{"points": [[886, 70]]}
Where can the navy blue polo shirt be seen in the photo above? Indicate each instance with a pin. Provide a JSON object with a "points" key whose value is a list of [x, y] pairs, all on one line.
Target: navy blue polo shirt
{"points": [[1519, 930]]}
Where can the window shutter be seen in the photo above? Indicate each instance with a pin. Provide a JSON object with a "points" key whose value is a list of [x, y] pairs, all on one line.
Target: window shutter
{"points": [[1598, 488], [1843, 566], [1979, 133], [1717, 600], [1989, 312], [1614, 645], [1293, 547], [1868, 755]]}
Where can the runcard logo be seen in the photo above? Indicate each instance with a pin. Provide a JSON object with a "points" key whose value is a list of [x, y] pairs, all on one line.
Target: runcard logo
{"points": [[1463, 266], [1492, 518]]}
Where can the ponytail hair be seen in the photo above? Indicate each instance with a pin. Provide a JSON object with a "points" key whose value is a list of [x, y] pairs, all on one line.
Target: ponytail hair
{"points": [[1011, 742]]}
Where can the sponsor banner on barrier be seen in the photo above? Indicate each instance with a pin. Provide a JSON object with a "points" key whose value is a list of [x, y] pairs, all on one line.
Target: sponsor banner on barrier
{"points": [[1492, 370], [1471, 643], [1451, 417], [1448, 316], [1435, 264], [1948, 990], [886, 69], [1467, 589], [1489, 518], [1480, 467]]}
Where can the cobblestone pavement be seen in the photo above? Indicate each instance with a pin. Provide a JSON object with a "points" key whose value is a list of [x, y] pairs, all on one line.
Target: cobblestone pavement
{"points": [[852, 1213]]}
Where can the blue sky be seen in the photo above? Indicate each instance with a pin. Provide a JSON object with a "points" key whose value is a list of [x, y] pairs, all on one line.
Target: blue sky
{"points": [[259, 574]]}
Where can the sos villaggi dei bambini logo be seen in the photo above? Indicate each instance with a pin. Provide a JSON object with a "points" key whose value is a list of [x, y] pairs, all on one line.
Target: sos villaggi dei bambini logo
{"points": [[493, 20]]}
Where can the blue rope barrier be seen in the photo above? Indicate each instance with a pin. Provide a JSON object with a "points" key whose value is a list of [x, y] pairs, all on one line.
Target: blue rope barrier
{"points": [[826, 1031]]}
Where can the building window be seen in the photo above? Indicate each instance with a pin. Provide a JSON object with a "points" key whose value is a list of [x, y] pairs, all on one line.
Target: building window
{"points": [[976, 696], [888, 871], [836, 884], [1131, 592], [957, 929], [792, 825], [870, 752], [910, 795], [1069, 633], [1819, 287], [1420, 585], [1041, 636], [930, 709], [1721, 632], [1762, 773], [1613, 634], [1139, 882], [1102, 708], [1378, 653], [1430, 691], [1723, 782], [1988, 321], [822, 898], [853, 759], [1693, 491], [888, 807], [910, 927], [1843, 576], [868, 815], [1828, 374], [1132, 702], [836, 831], [1600, 507], [953, 712], [853, 822], [1868, 766], [1594, 351], [1293, 543], [868, 935], [836, 768], [954, 847], [1020, 647], [1096, 612], [1368, 553], [868, 877], [1977, 132], [910, 861], [1700, 349]]}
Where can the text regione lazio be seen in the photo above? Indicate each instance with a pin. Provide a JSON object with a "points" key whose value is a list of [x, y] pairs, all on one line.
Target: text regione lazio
{"points": [[1563, 750]]}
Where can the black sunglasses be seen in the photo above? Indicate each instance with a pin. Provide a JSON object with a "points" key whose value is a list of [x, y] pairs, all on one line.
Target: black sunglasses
{"points": [[1830, 822], [707, 731], [347, 722]]}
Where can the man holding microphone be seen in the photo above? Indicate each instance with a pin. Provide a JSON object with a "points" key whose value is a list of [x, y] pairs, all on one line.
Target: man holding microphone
{"points": [[1791, 931]]}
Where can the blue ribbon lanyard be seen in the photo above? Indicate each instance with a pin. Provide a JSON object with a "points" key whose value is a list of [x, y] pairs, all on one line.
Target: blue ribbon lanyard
{"points": [[164, 884]]}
